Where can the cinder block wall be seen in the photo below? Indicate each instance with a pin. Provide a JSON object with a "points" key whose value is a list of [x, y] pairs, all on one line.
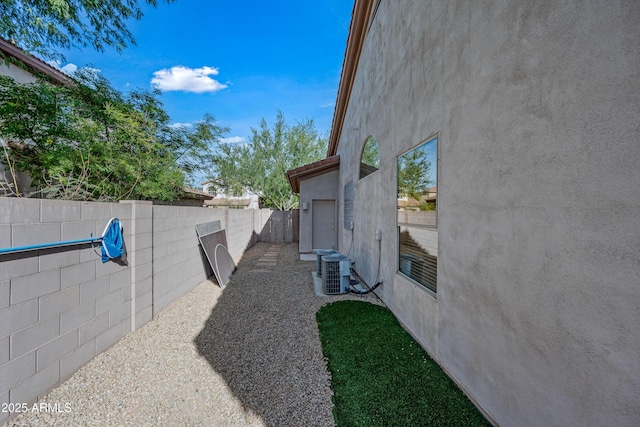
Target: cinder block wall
{"points": [[239, 235], [177, 266], [59, 308], [140, 259]]}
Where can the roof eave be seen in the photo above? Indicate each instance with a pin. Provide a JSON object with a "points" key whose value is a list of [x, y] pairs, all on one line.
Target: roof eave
{"points": [[33, 63], [294, 176], [360, 17]]}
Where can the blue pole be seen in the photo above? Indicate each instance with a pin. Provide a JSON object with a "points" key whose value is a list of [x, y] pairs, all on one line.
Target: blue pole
{"points": [[48, 245]]}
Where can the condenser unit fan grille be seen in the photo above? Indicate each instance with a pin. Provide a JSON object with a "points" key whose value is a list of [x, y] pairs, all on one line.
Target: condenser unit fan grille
{"points": [[335, 274], [321, 253]]}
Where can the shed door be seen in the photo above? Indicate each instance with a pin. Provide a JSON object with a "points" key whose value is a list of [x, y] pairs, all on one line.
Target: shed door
{"points": [[323, 218]]}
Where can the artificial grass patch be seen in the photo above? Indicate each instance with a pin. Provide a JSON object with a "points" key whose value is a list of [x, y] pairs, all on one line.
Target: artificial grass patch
{"points": [[380, 376]]}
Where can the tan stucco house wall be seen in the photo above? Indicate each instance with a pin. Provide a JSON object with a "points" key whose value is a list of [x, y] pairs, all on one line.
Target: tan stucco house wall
{"points": [[536, 108]]}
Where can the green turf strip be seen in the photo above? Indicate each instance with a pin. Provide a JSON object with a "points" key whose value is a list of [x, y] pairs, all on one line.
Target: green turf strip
{"points": [[380, 376]]}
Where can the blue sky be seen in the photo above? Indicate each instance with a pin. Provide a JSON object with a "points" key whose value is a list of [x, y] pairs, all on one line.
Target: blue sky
{"points": [[239, 61]]}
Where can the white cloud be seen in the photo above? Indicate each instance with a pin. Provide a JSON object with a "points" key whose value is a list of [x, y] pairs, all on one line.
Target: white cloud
{"points": [[68, 69], [180, 78], [233, 140]]}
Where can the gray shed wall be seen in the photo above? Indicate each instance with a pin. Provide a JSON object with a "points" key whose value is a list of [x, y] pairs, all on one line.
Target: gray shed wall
{"points": [[321, 187]]}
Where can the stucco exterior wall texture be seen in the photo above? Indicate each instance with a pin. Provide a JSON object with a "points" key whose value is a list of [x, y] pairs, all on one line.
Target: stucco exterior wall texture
{"points": [[18, 74], [536, 107]]}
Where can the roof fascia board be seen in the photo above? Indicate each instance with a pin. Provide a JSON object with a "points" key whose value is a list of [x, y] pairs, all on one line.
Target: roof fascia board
{"points": [[360, 20], [33, 63], [294, 176]]}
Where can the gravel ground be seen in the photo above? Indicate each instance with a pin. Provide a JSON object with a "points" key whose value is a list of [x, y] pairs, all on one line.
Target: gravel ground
{"points": [[248, 355]]}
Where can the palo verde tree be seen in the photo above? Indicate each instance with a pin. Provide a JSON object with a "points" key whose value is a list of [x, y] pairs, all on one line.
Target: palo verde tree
{"points": [[43, 26], [87, 141], [260, 165]]}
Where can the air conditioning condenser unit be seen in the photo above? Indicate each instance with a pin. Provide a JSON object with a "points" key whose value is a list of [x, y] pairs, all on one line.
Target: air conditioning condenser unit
{"points": [[320, 253], [336, 273]]}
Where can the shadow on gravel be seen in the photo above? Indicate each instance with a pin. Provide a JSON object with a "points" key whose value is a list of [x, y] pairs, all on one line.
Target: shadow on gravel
{"points": [[261, 337]]}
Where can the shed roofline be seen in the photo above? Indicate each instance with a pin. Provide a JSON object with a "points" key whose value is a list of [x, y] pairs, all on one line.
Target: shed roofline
{"points": [[313, 169]]}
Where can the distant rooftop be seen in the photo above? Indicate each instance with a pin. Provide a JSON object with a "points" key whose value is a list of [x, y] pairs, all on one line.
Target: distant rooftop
{"points": [[33, 64]]}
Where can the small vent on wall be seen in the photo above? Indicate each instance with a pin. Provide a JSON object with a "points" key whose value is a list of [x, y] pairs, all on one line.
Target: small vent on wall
{"points": [[348, 206]]}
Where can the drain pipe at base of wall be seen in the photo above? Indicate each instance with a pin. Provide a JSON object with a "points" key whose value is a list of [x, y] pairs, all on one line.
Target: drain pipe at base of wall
{"points": [[355, 290], [363, 291]]}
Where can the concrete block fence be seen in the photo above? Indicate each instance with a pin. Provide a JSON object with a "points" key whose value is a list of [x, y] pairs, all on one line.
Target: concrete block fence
{"points": [[61, 307]]}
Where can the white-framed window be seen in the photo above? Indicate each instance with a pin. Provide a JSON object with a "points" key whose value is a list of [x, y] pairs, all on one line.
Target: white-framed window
{"points": [[417, 192]]}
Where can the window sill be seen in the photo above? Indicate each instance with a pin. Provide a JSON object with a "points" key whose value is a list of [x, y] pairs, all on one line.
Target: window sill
{"points": [[416, 285]]}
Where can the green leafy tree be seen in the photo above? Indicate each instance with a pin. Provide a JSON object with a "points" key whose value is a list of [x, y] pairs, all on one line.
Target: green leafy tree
{"points": [[260, 165], [370, 153], [191, 146], [43, 26], [87, 141], [414, 170], [194, 146]]}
